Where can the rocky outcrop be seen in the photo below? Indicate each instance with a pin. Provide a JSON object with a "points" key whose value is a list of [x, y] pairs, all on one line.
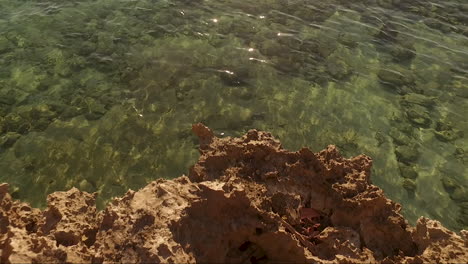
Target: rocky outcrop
{"points": [[247, 200]]}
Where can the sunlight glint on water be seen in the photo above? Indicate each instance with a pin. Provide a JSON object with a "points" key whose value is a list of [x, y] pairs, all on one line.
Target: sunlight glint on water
{"points": [[101, 94]]}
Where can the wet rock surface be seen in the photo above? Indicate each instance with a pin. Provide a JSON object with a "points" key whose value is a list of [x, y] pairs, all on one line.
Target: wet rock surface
{"points": [[246, 200]]}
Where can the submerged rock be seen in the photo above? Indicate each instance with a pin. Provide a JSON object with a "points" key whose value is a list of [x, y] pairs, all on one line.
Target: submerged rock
{"points": [[388, 32], [460, 154], [8, 140], [399, 137], [337, 68], [396, 76], [246, 200], [233, 78], [15, 123], [348, 39], [402, 53], [419, 99], [418, 115], [407, 171], [409, 185], [460, 194], [449, 184], [446, 133], [406, 154]]}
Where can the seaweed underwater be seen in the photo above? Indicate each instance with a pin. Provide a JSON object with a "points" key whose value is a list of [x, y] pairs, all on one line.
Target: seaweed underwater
{"points": [[100, 95]]}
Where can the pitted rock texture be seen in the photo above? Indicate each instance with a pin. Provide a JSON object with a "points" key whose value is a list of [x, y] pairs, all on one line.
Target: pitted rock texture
{"points": [[247, 200]]}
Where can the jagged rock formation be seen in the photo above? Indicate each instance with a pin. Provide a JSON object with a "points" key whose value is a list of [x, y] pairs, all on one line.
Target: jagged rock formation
{"points": [[247, 200]]}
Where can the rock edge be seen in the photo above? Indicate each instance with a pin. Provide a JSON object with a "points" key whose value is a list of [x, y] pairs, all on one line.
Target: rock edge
{"points": [[246, 200]]}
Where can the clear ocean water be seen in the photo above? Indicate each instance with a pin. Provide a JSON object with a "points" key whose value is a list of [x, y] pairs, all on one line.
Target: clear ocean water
{"points": [[101, 94]]}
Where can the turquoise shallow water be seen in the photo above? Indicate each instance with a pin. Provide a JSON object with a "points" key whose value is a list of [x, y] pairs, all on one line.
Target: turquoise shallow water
{"points": [[101, 94]]}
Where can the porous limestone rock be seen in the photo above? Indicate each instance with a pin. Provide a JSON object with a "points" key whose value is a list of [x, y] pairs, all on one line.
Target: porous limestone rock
{"points": [[247, 200]]}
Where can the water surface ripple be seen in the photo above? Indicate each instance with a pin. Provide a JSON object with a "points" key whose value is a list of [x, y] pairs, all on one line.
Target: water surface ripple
{"points": [[101, 94]]}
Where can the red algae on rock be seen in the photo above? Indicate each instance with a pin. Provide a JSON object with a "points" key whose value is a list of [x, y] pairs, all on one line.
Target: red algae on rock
{"points": [[247, 200]]}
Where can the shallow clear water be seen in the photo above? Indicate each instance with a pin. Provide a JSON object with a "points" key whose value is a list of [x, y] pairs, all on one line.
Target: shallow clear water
{"points": [[101, 94]]}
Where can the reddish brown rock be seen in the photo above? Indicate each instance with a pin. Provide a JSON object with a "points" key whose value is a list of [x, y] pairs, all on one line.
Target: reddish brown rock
{"points": [[247, 200]]}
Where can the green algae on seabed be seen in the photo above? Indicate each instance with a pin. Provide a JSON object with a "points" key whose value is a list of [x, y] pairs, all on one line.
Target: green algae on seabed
{"points": [[101, 94]]}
